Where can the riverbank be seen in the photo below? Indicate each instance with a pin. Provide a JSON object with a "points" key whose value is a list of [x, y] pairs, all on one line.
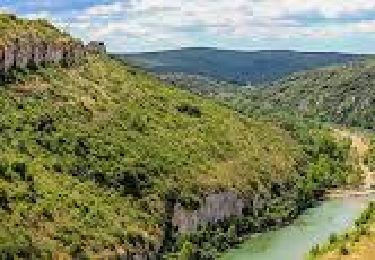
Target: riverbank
{"points": [[356, 243], [359, 152], [320, 221], [293, 241], [323, 165], [359, 241]]}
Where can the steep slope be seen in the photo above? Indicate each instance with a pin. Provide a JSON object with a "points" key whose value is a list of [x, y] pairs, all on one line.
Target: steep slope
{"points": [[236, 67], [339, 94], [91, 153]]}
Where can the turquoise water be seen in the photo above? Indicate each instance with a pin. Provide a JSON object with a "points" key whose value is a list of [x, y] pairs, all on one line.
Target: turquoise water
{"points": [[294, 241]]}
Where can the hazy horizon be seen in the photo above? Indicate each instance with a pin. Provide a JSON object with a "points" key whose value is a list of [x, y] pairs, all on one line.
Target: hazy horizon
{"points": [[241, 50]]}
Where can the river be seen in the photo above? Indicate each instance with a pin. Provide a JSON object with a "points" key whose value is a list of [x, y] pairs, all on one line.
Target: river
{"points": [[294, 241]]}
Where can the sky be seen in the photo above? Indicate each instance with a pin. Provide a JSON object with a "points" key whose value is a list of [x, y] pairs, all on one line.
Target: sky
{"points": [[151, 25]]}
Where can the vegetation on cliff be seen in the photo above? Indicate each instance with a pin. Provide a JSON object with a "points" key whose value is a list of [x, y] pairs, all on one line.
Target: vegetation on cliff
{"points": [[12, 27]]}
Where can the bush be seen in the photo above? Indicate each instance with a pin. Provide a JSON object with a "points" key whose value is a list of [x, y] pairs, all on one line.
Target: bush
{"points": [[20, 169], [333, 238], [191, 110], [344, 250], [187, 251]]}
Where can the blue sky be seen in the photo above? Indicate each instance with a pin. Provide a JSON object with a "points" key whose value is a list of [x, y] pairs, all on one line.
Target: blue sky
{"points": [[148, 25]]}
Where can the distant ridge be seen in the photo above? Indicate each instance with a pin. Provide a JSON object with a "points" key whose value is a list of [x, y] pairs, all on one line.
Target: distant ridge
{"points": [[202, 48], [236, 67]]}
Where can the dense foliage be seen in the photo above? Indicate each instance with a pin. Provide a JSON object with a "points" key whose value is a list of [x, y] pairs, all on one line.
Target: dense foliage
{"points": [[344, 95], [370, 160], [236, 67], [197, 84]]}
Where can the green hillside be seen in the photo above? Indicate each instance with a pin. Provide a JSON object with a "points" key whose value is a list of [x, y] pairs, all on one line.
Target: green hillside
{"points": [[343, 95], [339, 94], [88, 155], [199, 85]]}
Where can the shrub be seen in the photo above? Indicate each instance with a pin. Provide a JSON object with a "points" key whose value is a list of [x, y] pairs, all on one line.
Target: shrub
{"points": [[344, 250], [333, 238], [191, 110]]}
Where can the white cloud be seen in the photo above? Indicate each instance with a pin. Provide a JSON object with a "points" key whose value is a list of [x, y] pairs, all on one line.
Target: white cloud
{"points": [[5, 10], [326, 8], [168, 22], [41, 14], [339, 30], [104, 9]]}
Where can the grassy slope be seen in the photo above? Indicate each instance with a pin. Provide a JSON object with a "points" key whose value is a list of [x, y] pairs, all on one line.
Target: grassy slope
{"points": [[89, 153]]}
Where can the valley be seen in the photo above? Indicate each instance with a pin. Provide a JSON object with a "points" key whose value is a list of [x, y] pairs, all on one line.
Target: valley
{"points": [[336, 214], [102, 158], [295, 240], [340, 94]]}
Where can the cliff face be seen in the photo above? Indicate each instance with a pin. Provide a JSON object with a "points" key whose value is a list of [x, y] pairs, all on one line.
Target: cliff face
{"points": [[22, 53], [96, 46], [217, 207]]}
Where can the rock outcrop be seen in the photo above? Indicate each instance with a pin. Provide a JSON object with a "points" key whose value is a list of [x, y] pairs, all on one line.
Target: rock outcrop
{"points": [[25, 52], [96, 46], [216, 207]]}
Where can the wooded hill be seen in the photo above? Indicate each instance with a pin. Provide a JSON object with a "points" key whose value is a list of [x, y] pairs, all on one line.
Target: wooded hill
{"points": [[340, 94], [95, 157], [236, 67], [90, 153]]}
